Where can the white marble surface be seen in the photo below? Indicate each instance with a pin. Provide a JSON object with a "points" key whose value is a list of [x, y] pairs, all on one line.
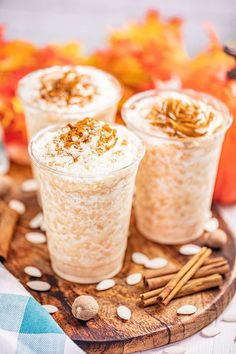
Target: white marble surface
{"points": [[223, 343]]}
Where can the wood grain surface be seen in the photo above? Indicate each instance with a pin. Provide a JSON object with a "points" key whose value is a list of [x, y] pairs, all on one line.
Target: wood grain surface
{"points": [[150, 327]]}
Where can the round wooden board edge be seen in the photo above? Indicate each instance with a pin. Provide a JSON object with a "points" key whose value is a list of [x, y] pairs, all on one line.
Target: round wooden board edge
{"points": [[164, 337]]}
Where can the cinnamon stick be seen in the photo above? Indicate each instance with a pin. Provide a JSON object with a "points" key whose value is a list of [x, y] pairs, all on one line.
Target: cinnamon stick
{"points": [[185, 273], [221, 267], [191, 287], [171, 269], [8, 220]]}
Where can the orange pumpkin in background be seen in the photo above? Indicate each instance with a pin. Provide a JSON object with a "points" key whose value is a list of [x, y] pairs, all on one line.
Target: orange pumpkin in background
{"points": [[208, 72]]}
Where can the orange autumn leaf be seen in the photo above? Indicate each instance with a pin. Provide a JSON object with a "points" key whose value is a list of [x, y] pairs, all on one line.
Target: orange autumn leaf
{"points": [[18, 58], [143, 52]]}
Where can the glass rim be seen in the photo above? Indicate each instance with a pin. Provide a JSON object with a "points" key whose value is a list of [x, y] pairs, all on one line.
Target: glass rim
{"points": [[149, 93], [40, 164], [64, 110]]}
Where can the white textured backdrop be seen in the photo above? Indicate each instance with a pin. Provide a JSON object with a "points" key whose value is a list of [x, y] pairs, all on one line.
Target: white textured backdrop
{"points": [[89, 20]]}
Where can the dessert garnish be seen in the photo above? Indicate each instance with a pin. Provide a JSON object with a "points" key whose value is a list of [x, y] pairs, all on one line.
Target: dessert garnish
{"points": [[172, 279], [35, 237], [38, 285], [68, 88], [29, 185], [134, 278], [17, 205], [124, 312], [186, 310], [105, 284], [83, 132], [180, 118], [50, 308], [33, 271], [85, 307], [210, 332]]}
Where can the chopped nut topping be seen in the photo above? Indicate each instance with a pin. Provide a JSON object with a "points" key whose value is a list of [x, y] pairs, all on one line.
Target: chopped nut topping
{"points": [[69, 88], [181, 119], [82, 132]]}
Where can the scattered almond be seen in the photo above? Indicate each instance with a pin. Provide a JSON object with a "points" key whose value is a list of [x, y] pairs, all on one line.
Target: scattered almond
{"points": [[189, 250], [186, 310], [124, 312], [134, 278], [17, 205], [210, 332], [37, 221], [33, 271], [156, 263], [50, 308], [215, 239], [29, 185], [175, 349], [38, 285], [105, 284], [139, 258], [229, 318], [35, 237], [43, 226], [211, 225]]}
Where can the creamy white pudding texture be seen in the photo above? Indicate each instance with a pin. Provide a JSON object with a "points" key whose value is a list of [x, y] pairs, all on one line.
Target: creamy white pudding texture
{"points": [[173, 114], [88, 147], [74, 88]]}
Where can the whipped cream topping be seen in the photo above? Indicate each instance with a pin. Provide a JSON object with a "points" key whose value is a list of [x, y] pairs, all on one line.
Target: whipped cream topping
{"points": [[86, 148], [70, 88], [174, 114]]}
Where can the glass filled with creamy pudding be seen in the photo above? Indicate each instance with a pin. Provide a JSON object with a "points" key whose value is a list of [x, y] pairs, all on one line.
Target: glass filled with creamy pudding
{"points": [[183, 132], [86, 171], [63, 93]]}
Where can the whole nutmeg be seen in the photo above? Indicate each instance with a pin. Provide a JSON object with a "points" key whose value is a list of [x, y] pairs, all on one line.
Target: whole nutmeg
{"points": [[85, 307], [215, 239]]}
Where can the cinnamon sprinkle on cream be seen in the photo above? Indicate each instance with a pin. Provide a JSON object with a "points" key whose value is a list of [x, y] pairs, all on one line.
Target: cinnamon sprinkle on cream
{"points": [[83, 132], [181, 118], [88, 147], [68, 87]]}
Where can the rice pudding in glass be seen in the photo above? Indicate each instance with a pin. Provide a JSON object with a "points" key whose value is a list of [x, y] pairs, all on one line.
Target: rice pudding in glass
{"points": [[63, 93], [86, 171], [183, 132]]}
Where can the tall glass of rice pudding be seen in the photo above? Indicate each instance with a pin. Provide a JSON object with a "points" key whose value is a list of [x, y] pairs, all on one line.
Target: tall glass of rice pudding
{"points": [[63, 93], [86, 171], [183, 132]]}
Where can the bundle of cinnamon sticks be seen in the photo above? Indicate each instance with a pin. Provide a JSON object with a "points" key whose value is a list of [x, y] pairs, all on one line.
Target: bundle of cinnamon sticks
{"points": [[199, 273], [8, 220]]}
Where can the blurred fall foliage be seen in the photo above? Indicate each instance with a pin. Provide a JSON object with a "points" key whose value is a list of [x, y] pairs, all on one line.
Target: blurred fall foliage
{"points": [[142, 55]]}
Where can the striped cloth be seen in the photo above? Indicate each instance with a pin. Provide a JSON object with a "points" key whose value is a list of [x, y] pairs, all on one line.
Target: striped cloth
{"points": [[25, 326]]}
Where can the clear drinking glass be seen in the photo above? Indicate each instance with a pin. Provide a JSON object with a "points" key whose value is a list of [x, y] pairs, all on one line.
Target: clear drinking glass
{"points": [[176, 177], [87, 218]]}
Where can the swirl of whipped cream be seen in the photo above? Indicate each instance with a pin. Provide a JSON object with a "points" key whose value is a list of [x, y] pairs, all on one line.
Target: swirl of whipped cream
{"points": [[175, 114], [88, 147]]}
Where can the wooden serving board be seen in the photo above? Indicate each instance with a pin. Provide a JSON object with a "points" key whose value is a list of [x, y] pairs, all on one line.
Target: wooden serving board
{"points": [[150, 327]]}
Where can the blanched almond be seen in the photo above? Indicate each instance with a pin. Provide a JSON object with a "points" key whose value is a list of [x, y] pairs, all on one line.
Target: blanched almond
{"points": [[124, 312], [105, 284], [134, 278], [38, 285], [17, 205]]}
